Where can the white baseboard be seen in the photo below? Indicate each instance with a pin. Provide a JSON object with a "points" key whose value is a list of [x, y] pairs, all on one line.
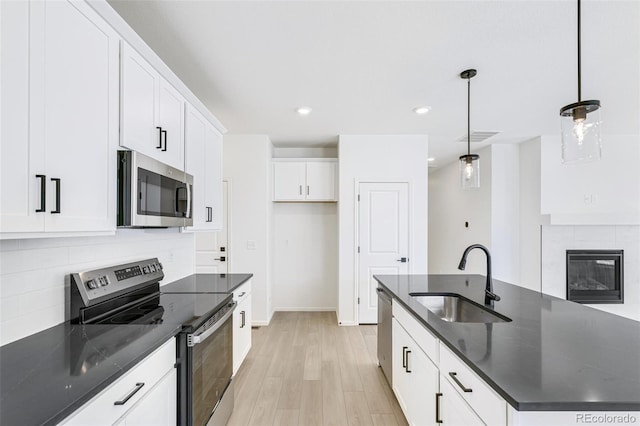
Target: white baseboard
{"points": [[305, 309], [347, 323]]}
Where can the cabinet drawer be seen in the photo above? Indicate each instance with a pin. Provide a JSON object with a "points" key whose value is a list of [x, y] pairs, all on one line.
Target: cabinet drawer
{"points": [[101, 410], [242, 292], [490, 406], [427, 341]]}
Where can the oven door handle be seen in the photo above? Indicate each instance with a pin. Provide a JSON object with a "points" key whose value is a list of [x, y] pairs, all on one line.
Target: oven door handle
{"points": [[194, 339]]}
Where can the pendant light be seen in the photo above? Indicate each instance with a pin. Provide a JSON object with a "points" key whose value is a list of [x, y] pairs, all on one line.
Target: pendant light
{"points": [[580, 123], [469, 163]]}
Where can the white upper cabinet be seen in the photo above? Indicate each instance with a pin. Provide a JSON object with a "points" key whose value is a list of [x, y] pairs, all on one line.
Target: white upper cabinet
{"points": [[289, 181], [59, 119], [152, 111], [204, 161], [300, 180]]}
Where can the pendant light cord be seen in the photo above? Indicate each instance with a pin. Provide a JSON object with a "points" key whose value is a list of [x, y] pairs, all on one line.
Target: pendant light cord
{"points": [[579, 56], [469, 116]]}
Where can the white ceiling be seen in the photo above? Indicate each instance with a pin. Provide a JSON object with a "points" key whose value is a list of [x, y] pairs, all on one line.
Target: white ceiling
{"points": [[364, 65]]}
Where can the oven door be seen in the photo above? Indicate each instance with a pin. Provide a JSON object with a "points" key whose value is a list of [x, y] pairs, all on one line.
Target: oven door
{"points": [[212, 368], [152, 193]]}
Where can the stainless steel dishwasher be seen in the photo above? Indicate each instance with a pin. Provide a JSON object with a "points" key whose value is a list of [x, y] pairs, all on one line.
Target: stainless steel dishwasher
{"points": [[384, 333]]}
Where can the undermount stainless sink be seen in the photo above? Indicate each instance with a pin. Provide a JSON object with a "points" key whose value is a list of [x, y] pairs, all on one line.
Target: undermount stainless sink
{"points": [[455, 308]]}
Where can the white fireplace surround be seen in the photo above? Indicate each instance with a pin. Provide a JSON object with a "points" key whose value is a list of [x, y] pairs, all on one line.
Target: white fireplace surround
{"points": [[556, 240]]}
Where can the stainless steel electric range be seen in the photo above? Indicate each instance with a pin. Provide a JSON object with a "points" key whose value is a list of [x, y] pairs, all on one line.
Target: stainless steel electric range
{"points": [[130, 294]]}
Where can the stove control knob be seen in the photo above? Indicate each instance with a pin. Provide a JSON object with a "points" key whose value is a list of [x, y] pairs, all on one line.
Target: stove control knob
{"points": [[106, 280], [159, 266], [145, 269], [91, 284], [152, 267]]}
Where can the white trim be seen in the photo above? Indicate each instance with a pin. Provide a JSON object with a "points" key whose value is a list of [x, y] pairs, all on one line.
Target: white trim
{"points": [[303, 160], [138, 44], [348, 324], [306, 309]]}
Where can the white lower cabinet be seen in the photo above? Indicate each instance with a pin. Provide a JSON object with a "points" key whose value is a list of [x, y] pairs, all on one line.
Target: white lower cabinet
{"points": [[158, 407], [145, 395], [434, 386], [452, 410], [415, 378], [241, 325]]}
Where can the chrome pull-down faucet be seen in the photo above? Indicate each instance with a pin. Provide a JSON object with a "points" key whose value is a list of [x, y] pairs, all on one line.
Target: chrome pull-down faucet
{"points": [[489, 295]]}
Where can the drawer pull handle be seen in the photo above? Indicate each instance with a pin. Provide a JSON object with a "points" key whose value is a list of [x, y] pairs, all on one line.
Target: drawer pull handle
{"points": [[404, 357], [128, 397], [455, 379], [242, 294], [43, 193], [438, 395], [407, 367]]}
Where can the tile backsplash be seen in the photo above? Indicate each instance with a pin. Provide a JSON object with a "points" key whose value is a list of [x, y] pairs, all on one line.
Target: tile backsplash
{"points": [[557, 239], [32, 271]]}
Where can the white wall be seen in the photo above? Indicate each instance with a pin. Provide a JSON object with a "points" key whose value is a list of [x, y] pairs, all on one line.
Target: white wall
{"points": [[247, 162], [449, 208], [32, 273], [305, 152], [557, 239], [505, 212], [305, 256], [390, 157], [601, 192], [530, 218]]}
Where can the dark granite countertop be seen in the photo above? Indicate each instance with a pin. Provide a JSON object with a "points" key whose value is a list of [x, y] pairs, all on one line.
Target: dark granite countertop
{"points": [[206, 283], [554, 355], [47, 376]]}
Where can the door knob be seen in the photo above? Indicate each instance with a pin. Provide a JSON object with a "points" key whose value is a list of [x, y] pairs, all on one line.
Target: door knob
{"points": [[403, 259]]}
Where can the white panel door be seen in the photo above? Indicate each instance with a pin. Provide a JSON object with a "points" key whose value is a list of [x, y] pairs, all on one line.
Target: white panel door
{"points": [[171, 120], [383, 233], [21, 157], [289, 181], [212, 250], [80, 123], [321, 181], [139, 89]]}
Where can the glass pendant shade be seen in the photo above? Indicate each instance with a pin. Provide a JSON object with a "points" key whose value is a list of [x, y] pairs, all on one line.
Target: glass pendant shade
{"points": [[470, 171], [580, 127]]}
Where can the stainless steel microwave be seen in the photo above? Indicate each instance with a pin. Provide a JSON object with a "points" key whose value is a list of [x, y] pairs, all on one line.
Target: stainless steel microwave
{"points": [[152, 194]]}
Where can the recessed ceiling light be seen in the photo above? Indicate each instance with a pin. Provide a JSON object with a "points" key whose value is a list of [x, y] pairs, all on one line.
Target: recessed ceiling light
{"points": [[430, 159], [304, 110], [422, 110]]}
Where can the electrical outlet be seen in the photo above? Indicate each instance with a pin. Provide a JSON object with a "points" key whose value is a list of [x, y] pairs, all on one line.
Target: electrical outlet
{"points": [[251, 244]]}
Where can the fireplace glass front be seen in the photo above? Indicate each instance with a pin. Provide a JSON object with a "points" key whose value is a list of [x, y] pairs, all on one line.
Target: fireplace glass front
{"points": [[595, 276]]}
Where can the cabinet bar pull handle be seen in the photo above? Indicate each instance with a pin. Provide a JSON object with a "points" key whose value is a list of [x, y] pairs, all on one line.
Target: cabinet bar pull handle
{"points": [[455, 379], [242, 294], [159, 137], [209, 214], [164, 132], [243, 319], [57, 209], [128, 397], [307, 189], [300, 189], [407, 367], [43, 193], [404, 357], [438, 395]]}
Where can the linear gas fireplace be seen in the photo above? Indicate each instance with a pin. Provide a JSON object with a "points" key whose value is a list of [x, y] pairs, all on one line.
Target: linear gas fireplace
{"points": [[595, 276]]}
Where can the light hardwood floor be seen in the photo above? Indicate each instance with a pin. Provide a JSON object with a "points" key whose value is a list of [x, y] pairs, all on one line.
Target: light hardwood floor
{"points": [[303, 369]]}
